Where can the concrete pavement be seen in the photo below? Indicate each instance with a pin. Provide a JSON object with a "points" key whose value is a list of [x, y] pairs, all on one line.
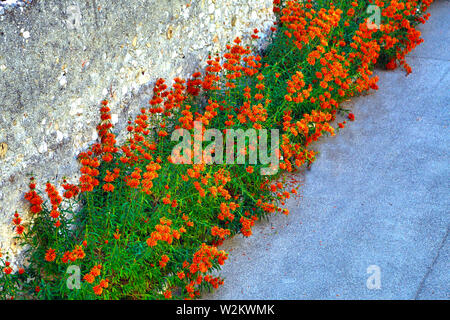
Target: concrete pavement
{"points": [[378, 195]]}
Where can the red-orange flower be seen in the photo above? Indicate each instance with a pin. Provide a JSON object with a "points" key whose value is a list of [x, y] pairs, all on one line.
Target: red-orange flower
{"points": [[50, 255], [108, 187], [89, 278], [98, 289]]}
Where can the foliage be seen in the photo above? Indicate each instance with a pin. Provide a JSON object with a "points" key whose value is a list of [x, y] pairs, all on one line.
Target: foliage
{"points": [[147, 227]]}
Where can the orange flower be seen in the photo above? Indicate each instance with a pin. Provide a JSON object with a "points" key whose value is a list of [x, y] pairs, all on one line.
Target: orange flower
{"points": [[107, 157], [50, 255], [7, 270], [20, 229], [17, 220], [89, 278], [168, 294], [164, 260], [151, 242], [162, 133], [104, 283], [54, 214], [391, 65], [98, 289], [259, 96], [79, 252], [117, 234]]}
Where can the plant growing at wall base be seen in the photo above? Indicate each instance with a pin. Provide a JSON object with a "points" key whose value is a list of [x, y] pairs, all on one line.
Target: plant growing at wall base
{"points": [[139, 225]]}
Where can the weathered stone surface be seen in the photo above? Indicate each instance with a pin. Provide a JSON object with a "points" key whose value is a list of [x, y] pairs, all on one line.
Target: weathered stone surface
{"points": [[60, 58]]}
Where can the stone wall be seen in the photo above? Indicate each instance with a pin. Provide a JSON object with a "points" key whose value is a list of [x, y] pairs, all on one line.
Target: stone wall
{"points": [[60, 58]]}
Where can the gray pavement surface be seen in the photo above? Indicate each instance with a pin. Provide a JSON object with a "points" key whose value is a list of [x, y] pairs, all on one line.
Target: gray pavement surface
{"points": [[378, 194]]}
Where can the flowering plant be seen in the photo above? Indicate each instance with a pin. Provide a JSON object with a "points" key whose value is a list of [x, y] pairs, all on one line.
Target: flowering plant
{"points": [[139, 225]]}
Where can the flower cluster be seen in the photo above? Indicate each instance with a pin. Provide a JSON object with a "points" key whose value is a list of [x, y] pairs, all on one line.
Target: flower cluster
{"points": [[151, 226]]}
